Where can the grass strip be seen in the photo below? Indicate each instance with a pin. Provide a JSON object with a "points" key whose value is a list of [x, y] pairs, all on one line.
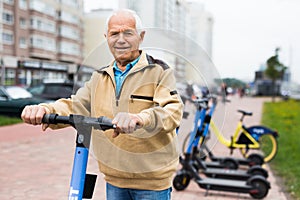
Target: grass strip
{"points": [[4, 120], [284, 116]]}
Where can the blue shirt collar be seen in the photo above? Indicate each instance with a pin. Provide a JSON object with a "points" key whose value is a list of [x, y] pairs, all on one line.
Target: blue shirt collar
{"points": [[128, 66]]}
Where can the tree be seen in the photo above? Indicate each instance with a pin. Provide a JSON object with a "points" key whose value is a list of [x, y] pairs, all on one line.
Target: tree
{"points": [[275, 70]]}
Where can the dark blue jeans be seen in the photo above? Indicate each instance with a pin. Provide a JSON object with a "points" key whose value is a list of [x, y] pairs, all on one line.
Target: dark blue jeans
{"points": [[116, 193]]}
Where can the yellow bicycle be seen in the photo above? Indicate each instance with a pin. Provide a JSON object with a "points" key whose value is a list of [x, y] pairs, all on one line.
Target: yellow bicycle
{"points": [[244, 138]]}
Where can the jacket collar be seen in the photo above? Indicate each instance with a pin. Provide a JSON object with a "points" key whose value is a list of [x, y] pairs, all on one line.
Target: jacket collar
{"points": [[143, 61]]}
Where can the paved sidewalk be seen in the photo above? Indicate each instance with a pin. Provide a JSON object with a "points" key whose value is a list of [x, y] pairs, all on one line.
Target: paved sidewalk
{"points": [[37, 166], [226, 117]]}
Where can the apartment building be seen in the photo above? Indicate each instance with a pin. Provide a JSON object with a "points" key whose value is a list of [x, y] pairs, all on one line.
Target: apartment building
{"points": [[40, 40]]}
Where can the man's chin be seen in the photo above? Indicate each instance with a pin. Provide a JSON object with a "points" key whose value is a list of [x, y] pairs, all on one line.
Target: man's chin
{"points": [[123, 56]]}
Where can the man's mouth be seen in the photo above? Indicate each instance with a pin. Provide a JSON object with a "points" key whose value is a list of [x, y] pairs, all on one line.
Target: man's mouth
{"points": [[121, 48]]}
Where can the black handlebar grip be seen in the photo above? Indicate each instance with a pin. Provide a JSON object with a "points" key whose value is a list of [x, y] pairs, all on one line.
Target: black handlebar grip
{"points": [[55, 119], [46, 118], [107, 122]]}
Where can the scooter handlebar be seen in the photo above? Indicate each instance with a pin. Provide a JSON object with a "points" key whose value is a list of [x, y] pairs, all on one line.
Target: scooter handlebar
{"points": [[101, 123]]}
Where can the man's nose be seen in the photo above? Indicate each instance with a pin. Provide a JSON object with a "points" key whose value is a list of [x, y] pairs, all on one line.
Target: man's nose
{"points": [[121, 38]]}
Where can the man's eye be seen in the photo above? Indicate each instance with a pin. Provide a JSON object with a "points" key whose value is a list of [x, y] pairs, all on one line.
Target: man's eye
{"points": [[114, 33], [128, 33]]}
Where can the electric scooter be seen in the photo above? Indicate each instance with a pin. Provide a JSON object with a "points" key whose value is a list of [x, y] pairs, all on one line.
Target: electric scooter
{"points": [[82, 185], [224, 162], [252, 160], [235, 174], [257, 186], [200, 164]]}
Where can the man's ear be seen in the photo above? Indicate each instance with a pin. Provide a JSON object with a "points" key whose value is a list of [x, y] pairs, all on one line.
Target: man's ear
{"points": [[142, 34], [104, 35]]}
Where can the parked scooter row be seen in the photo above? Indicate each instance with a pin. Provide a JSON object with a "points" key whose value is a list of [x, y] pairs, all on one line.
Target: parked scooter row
{"points": [[221, 173]]}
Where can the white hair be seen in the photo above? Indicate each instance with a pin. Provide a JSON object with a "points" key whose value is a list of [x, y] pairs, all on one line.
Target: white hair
{"points": [[138, 21]]}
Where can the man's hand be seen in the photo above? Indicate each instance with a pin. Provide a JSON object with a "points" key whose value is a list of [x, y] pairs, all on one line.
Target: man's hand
{"points": [[126, 123], [33, 114]]}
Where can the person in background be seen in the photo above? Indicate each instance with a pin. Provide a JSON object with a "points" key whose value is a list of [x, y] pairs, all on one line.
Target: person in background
{"points": [[224, 92], [138, 92]]}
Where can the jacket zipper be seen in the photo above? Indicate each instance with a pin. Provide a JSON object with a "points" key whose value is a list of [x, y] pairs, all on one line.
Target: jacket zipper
{"points": [[118, 95]]}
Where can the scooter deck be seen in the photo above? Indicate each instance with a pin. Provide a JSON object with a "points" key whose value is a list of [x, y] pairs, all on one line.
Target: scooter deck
{"points": [[241, 161], [224, 185], [226, 173], [213, 164]]}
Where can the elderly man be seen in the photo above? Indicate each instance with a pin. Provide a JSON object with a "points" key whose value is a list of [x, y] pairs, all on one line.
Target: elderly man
{"points": [[138, 92]]}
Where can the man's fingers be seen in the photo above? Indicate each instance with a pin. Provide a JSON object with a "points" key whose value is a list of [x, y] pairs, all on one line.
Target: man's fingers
{"points": [[126, 122], [115, 133], [33, 114], [39, 115], [45, 126], [26, 114]]}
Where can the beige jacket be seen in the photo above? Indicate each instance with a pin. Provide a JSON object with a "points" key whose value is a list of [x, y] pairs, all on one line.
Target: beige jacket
{"points": [[147, 158]]}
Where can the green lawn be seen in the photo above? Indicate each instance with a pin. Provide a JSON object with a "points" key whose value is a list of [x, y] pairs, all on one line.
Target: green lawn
{"points": [[9, 120], [284, 117]]}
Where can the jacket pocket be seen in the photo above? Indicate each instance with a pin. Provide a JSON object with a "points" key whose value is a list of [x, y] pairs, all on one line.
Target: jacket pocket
{"points": [[140, 97], [137, 103]]}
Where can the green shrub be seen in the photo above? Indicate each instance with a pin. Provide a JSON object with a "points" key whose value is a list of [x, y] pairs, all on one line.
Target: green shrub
{"points": [[9, 120]]}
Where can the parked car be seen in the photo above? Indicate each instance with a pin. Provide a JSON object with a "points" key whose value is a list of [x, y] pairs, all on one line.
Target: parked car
{"points": [[53, 90], [14, 98], [290, 90]]}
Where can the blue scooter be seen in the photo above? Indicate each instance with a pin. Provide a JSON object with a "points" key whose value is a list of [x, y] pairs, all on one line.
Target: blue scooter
{"points": [[82, 185]]}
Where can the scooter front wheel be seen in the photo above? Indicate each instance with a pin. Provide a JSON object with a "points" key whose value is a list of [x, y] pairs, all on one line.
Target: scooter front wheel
{"points": [[260, 188], [181, 181], [230, 163], [255, 159], [257, 170]]}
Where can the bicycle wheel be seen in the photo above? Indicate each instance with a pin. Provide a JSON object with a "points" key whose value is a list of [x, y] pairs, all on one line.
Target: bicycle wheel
{"points": [[269, 146]]}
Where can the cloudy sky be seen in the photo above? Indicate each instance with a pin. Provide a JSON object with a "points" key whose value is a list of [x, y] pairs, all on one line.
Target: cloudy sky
{"points": [[246, 33]]}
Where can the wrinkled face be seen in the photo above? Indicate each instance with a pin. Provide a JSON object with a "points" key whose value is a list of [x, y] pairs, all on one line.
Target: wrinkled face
{"points": [[122, 38]]}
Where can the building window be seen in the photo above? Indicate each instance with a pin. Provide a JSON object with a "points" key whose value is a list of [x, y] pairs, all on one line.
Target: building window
{"points": [[43, 25], [7, 38], [69, 48], [22, 43], [42, 7], [52, 75], [68, 17], [7, 17], [45, 43], [23, 4], [23, 23], [72, 3], [11, 2], [69, 32], [10, 76]]}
